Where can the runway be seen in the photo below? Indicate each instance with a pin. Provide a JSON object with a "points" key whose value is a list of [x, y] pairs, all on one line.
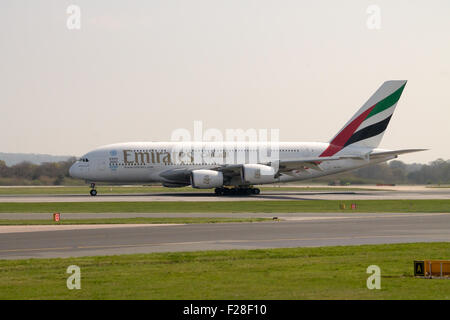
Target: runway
{"points": [[299, 230], [422, 193]]}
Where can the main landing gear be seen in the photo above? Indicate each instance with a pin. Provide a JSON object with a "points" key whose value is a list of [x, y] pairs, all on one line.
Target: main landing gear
{"points": [[93, 192], [237, 191]]}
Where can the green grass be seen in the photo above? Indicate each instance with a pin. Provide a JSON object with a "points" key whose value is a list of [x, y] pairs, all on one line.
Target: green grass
{"points": [[268, 206], [296, 273], [5, 222], [149, 189]]}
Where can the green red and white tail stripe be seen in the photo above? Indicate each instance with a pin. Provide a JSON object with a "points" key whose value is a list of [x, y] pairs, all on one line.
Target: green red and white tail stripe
{"points": [[366, 127]]}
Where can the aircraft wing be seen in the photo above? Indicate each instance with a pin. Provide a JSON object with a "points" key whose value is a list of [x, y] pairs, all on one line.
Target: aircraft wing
{"points": [[313, 163], [232, 170], [286, 165], [303, 164], [283, 165]]}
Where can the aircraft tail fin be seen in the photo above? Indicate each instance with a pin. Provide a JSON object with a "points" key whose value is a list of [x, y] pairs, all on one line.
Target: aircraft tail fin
{"points": [[367, 126]]}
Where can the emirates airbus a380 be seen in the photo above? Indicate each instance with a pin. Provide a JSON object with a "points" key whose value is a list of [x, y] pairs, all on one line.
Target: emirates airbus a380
{"points": [[235, 167]]}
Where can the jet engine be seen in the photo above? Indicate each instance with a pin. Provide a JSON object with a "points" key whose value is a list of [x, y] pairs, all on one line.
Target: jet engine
{"points": [[257, 174], [205, 179]]}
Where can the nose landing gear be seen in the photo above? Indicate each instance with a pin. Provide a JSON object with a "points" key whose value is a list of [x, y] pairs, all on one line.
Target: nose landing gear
{"points": [[93, 192]]}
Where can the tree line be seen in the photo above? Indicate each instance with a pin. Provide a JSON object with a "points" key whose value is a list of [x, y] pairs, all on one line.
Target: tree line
{"points": [[47, 173], [393, 172], [396, 172]]}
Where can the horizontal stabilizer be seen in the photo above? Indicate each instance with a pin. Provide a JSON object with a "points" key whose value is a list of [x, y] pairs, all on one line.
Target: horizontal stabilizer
{"points": [[393, 153]]}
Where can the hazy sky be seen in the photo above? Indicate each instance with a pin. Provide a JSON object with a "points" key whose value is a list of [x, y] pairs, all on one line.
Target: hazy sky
{"points": [[137, 70]]}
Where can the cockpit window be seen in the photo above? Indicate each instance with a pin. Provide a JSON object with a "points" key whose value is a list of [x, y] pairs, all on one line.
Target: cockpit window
{"points": [[83, 159]]}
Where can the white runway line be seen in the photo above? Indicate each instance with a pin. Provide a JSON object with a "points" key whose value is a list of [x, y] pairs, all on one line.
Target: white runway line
{"points": [[37, 228], [364, 216]]}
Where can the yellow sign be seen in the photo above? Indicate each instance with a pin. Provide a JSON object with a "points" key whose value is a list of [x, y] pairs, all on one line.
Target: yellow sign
{"points": [[432, 268], [419, 269]]}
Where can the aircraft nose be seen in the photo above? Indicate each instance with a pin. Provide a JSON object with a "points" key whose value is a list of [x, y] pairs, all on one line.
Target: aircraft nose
{"points": [[74, 171]]}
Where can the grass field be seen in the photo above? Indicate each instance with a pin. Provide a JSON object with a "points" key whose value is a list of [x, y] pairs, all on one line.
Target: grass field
{"points": [[149, 189], [299, 273], [5, 222], [268, 206]]}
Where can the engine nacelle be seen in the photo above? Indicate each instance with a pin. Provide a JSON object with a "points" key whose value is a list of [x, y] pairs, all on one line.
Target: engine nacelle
{"points": [[206, 179], [257, 174]]}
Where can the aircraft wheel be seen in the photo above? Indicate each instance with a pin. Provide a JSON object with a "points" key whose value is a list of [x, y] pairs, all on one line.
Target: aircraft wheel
{"points": [[219, 191], [255, 191], [93, 192]]}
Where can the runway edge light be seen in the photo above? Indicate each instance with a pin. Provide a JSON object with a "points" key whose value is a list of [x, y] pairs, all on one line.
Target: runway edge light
{"points": [[56, 217]]}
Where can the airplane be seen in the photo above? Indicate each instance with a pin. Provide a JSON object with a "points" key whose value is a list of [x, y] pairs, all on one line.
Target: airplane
{"points": [[232, 168]]}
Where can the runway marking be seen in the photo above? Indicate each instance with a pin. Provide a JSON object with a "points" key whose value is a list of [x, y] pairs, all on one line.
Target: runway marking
{"points": [[284, 239], [36, 249], [361, 216], [252, 240], [218, 242], [68, 227], [408, 192]]}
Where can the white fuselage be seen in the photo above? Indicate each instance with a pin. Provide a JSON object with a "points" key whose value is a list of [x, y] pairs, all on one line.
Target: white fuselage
{"points": [[145, 162]]}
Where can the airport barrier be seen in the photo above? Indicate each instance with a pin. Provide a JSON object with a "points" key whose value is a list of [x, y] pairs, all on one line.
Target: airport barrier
{"points": [[432, 269]]}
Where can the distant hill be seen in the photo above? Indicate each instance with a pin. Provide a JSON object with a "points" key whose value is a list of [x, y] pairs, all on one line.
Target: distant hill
{"points": [[15, 158]]}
